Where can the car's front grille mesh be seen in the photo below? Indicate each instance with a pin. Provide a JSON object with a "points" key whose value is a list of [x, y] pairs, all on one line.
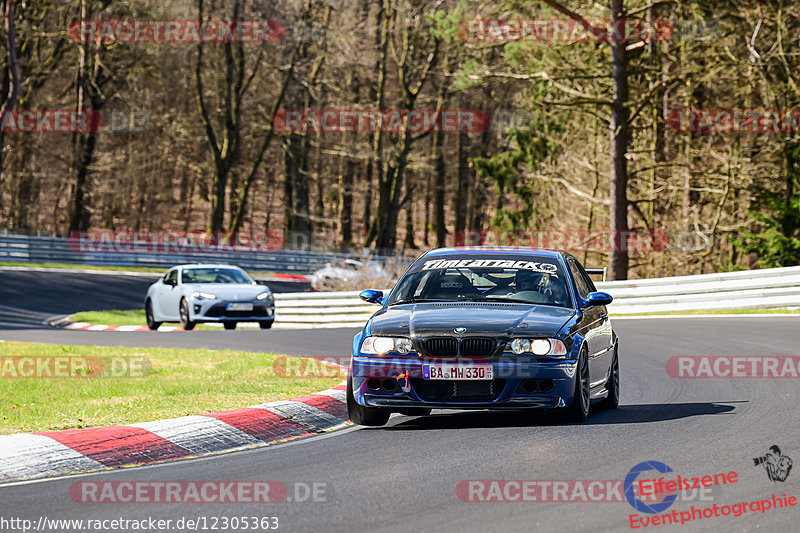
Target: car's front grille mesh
{"points": [[441, 347], [476, 347], [434, 390], [452, 347], [219, 310]]}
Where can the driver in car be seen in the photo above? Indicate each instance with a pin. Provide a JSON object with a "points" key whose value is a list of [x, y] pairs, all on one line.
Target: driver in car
{"points": [[538, 287]]}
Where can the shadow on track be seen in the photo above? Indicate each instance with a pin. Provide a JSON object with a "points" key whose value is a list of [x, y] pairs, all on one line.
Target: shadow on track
{"points": [[625, 414]]}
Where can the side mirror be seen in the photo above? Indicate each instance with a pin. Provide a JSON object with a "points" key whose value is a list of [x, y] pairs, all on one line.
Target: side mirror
{"points": [[170, 282], [595, 299], [372, 296]]}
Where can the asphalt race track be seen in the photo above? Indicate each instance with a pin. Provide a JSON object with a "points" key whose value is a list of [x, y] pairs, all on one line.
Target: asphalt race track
{"points": [[403, 477], [27, 299]]}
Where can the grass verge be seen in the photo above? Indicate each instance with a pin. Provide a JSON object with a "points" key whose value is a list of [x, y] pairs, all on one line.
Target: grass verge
{"points": [[128, 317], [176, 382]]}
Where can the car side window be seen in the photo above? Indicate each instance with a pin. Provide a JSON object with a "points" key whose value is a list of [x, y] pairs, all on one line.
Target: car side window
{"points": [[580, 281], [586, 278], [171, 277]]}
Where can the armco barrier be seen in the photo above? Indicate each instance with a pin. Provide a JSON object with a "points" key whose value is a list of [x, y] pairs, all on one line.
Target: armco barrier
{"points": [[775, 287], [53, 249], [321, 309]]}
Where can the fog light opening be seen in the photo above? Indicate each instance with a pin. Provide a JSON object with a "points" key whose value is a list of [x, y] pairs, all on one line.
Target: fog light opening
{"points": [[530, 385], [389, 384], [374, 384]]}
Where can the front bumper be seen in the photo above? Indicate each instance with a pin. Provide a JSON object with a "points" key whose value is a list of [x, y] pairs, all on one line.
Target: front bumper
{"points": [[217, 311], [398, 383]]}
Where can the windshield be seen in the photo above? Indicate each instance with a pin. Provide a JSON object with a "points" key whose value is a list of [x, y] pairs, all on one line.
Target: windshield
{"points": [[215, 275], [523, 279]]}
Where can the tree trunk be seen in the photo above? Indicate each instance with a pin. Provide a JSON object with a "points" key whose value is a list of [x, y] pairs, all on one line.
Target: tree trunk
{"points": [[440, 177], [409, 243], [14, 73], [295, 161], [346, 201], [462, 185], [376, 138], [620, 139]]}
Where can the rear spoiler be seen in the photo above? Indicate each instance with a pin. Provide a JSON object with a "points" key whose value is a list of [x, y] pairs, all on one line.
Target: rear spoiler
{"points": [[598, 271]]}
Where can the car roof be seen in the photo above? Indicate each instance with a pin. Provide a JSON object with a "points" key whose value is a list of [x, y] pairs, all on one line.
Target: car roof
{"points": [[499, 250]]}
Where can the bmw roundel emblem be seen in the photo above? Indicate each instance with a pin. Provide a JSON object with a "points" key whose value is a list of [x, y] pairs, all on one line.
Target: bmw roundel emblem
{"points": [[460, 330]]}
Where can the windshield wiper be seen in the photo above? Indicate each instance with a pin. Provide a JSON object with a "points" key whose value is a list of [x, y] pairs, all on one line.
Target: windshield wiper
{"points": [[506, 299], [418, 300]]}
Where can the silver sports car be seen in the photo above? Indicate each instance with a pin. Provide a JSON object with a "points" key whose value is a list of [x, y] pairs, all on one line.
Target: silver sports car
{"points": [[190, 294]]}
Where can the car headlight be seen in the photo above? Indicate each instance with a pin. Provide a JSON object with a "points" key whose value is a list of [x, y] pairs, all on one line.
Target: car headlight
{"points": [[384, 345], [200, 295], [552, 347], [264, 295]]}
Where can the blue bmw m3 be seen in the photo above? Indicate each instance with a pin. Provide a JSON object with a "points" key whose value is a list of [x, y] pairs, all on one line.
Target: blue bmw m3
{"points": [[485, 329]]}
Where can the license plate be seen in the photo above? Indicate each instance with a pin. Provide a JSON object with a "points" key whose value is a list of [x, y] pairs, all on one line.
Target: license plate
{"points": [[453, 372], [239, 307]]}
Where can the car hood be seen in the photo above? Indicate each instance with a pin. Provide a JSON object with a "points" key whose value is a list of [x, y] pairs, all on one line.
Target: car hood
{"points": [[493, 319], [227, 291]]}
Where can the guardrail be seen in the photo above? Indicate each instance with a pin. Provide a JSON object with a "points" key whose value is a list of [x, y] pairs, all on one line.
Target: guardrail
{"points": [[775, 287], [54, 249]]}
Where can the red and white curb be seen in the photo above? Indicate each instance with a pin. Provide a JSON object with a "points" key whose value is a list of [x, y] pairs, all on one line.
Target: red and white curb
{"points": [[65, 323], [85, 326], [26, 456]]}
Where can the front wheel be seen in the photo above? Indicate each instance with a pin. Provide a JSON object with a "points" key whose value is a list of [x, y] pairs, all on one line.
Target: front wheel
{"points": [[186, 324], [148, 313], [229, 325], [265, 325], [612, 386], [579, 411], [362, 415]]}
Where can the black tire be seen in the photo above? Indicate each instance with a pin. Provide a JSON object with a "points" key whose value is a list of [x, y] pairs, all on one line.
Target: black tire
{"points": [[415, 411], [612, 386], [186, 324], [229, 325], [265, 325], [364, 416], [579, 410], [148, 314]]}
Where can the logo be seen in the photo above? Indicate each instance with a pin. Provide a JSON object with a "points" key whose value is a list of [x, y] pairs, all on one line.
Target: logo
{"points": [[630, 482], [460, 330], [777, 466]]}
